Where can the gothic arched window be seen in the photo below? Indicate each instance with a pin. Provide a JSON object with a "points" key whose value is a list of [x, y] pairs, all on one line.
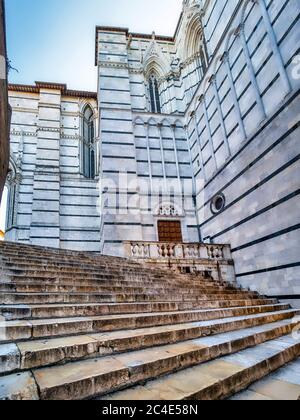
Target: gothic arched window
{"points": [[155, 105], [88, 144]]}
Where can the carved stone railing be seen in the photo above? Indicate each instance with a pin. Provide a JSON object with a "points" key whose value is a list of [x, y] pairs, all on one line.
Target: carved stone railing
{"points": [[176, 251]]}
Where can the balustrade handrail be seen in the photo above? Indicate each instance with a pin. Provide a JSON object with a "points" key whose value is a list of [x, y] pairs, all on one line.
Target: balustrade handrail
{"points": [[177, 250]]}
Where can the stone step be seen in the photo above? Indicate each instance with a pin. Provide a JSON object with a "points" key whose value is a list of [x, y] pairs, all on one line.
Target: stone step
{"points": [[103, 282], [33, 354], [97, 377], [217, 379], [24, 249], [282, 385], [25, 330], [167, 275], [44, 287], [118, 281], [26, 263], [46, 311], [13, 256], [56, 256], [30, 269], [52, 298]]}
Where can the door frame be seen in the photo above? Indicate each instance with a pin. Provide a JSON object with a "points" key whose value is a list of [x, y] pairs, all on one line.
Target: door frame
{"points": [[171, 219]]}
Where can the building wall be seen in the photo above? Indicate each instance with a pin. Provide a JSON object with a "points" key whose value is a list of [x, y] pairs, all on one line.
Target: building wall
{"points": [[148, 148], [4, 109], [252, 157], [54, 205], [229, 87]]}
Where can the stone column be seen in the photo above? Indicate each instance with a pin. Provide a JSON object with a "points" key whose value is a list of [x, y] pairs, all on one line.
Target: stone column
{"points": [[241, 33], [213, 81], [193, 115], [173, 127], [275, 48], [45, 224], [149, 157], [210, 140], [225, 59], [159, 125]]}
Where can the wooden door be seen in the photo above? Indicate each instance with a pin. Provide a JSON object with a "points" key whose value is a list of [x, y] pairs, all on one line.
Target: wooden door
{"points": [[169, 231]]}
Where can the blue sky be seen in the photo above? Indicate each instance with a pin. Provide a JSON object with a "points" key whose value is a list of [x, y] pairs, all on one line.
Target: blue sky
{"points": [[53, 40]]}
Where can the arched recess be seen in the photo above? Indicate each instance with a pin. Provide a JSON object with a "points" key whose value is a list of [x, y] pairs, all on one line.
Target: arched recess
{"points": [[154, 72], [140, 135], [195, 45], [88, 147], [227, 60]]}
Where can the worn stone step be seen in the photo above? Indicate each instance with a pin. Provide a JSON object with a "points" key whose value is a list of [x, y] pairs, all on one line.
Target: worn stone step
{"points": [[81, 288], [282, 385], [14, 312], [25, 330], [11, 255], [52, 298], [109, 281], [18, 387], [23, 249], [101, 282], [214, 380], [30, 269], [86, 269], [58, 259], [33, 354], [85, 379], [138, 274], [46, 266]]}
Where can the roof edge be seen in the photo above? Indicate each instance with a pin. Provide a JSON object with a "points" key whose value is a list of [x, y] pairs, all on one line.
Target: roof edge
{"points": [[13, 87], [116, 29]]}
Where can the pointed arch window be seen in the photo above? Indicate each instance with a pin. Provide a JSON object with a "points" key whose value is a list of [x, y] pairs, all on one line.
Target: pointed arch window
{"points": [[88, 144], [155, 105]]}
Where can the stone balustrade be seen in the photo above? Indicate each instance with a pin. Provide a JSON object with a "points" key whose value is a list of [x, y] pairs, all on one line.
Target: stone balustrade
{"points": [[176, 251]]}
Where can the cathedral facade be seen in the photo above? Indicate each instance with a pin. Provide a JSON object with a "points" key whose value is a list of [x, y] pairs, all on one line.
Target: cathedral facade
{"points": [[189, 138]]}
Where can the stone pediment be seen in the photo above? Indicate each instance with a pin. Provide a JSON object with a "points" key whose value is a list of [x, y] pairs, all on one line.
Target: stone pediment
{"points": [[155, 58]]}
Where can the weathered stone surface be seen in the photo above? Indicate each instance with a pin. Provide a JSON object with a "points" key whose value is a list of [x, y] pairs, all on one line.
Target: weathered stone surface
{"points": [[77, 381], [21, 386], [229, 337], [217, 379], [284, 384], [9, 358]]}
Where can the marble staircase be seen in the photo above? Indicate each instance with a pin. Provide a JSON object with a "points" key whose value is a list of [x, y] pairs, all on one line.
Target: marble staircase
{"points": [[79, 326]]}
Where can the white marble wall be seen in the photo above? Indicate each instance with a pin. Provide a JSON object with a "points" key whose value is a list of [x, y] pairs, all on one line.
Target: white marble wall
{"points": [[245, 120], [54, 204], [145, 146], [232, 128]]}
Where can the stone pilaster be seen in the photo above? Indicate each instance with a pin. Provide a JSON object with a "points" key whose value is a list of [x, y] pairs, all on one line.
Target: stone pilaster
{"points": [[45, 226]]}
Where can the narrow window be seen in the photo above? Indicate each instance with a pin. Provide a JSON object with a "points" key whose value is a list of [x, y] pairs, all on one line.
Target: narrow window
{"points": [[154, 95], [203, 61], [88, 147]]}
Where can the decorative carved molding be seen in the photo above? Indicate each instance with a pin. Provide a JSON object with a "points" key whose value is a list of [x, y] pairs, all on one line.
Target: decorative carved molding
{"points": [[23, 133], [169, 210]]}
